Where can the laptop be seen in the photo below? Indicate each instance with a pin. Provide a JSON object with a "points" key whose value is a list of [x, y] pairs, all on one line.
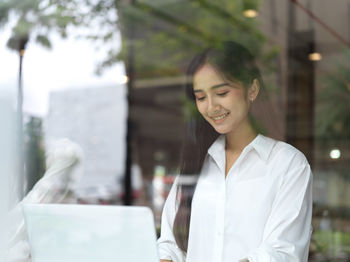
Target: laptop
{"points": [[90, 233]]}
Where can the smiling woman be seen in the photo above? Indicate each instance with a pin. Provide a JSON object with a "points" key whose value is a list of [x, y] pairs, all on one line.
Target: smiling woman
{"points": [[223, 103], [251, 199]]}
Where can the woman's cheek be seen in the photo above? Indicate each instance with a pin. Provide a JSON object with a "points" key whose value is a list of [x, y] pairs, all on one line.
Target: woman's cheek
{"points": [[200, 107]]}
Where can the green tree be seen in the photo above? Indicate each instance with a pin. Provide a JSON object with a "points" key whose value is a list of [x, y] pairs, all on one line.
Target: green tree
{"points": [[333, 114], [36, 19], [333, 104], [163, 35]]}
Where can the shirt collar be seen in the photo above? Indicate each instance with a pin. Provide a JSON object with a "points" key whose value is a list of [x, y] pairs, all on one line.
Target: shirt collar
{"points": [[218, 146], [263, 146], [217, 152]]}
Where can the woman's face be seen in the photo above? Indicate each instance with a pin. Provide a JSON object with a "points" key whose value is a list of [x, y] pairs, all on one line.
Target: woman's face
{"points": [[224, 104]]}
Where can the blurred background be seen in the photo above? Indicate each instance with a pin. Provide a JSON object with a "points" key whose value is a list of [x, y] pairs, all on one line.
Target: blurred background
{"points": [[92, 97]]}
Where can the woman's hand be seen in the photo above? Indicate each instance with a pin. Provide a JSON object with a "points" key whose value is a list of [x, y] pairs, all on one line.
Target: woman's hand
{"points": [[163, 260]]}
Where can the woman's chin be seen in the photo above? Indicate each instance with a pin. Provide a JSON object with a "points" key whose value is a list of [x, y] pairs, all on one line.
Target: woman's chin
{"points": [[221, 130]]}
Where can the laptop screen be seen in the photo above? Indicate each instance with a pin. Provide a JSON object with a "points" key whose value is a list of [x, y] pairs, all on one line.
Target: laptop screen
{"points": [[73, 233]]}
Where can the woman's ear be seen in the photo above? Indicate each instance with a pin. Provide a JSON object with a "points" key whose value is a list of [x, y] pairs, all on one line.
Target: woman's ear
{"points": [[253, 90]]}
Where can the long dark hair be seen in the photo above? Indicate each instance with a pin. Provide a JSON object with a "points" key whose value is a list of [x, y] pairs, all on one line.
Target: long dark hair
{"points": [[235, 63]]}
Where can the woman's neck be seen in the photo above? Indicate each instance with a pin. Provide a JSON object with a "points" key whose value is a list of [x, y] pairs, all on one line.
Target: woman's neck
{"points": [[236, 141]]}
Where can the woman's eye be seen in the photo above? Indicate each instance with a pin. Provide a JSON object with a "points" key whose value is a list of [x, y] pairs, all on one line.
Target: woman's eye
{"points": [[200, 98], [222, 94]]}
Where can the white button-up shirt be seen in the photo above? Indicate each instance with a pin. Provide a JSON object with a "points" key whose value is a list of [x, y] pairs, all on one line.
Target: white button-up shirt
{"points": [[260, 211]]}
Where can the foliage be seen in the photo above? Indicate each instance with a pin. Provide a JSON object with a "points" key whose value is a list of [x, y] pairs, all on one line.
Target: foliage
{"points": [[35, 19], [331, 243], [333, 104], [163, 35]]}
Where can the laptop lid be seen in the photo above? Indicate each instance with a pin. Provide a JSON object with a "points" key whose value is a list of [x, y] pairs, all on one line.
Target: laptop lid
{"points": [[90, 233]]}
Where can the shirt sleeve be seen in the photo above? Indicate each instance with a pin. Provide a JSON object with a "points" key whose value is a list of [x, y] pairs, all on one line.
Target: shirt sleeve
{"points": [[167, 246], [288, 229]]}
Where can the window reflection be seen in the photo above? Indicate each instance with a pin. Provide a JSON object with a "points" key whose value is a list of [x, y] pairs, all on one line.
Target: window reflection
{"points": [[131, 131]]}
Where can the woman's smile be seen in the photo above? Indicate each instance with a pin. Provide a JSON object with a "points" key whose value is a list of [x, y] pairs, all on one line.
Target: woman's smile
{"points": [[220, 118]]}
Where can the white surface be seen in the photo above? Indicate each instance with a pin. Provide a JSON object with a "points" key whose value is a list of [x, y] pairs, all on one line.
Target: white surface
{"points": [[95, 119], [86, 233], [9, 182]]}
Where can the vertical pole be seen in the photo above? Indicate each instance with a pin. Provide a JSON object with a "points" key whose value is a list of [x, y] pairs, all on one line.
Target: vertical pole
{"points": [[20, 127], [300, 88], [130, 72], [291, 92]]}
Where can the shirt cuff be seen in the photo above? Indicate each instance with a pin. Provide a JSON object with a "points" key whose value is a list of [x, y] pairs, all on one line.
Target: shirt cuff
{"points": [[169, 251], [264, 253]]}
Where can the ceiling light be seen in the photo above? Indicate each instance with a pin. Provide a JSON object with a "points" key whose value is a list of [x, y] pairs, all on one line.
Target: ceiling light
{"points": [[250, 13], [315, 56]]}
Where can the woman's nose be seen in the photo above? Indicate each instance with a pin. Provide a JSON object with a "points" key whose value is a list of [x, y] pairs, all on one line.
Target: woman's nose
{"points": [[212, 104]]}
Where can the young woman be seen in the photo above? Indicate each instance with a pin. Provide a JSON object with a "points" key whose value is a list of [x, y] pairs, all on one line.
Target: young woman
{"points": [[251, 197]]}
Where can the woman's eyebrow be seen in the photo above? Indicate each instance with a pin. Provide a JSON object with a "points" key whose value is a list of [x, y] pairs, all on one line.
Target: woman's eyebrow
{"points": [[213, 87], [219, 85]]}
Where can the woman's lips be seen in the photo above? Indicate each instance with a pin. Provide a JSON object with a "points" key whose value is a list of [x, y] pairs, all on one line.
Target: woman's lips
{"points": [[220, 118]]}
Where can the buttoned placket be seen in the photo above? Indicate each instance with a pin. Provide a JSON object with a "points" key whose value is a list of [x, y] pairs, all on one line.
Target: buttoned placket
{"points": [[232, 175], [220, 219]]}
